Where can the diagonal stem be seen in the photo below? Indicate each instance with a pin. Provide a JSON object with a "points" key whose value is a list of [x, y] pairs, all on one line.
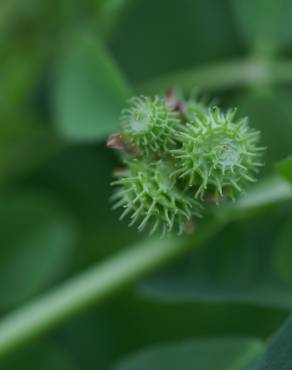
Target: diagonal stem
{"points": [[92, 286], [224, 76]]}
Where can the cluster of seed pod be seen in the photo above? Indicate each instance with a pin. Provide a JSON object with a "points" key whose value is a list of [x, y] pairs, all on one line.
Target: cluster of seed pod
{"points": [[177, 154]]}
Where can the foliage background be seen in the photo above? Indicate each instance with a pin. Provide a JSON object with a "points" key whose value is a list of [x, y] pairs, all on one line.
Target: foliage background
{"points": [[66, 70]]}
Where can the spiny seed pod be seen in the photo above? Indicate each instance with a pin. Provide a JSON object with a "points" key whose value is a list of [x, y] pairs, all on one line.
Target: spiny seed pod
{"points": [[195, 108], [149, 124], [217, 155], [149, 195]]}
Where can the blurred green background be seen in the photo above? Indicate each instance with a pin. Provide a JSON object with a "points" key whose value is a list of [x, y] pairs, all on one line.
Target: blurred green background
{"points": [[67, 68]]}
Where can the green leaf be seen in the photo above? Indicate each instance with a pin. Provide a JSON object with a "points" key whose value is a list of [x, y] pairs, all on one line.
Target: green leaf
{"points": [[222, 353], [99, 338], [11, 11], [284, 168], [80, 177], [236, 266], [36, 239], [278, 355], [283, 252], [89, 91], [25, 143], [270, 112], [19, 74], [110, 14], [263, 24], [154, 47], [43, 356]]}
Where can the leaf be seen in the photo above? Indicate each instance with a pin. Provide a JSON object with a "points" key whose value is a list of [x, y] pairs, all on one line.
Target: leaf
{"points": [[88, 92], [236, 266], [25, 52], [110, 14], [283, 252], [25, 143], [263, 24], [98, 341], [43, 356], [36, 239], [80, 177], [11, 10], [271, 113], [278, 355], [154, 47], [284, 168], [225, 353], [19, 74]]}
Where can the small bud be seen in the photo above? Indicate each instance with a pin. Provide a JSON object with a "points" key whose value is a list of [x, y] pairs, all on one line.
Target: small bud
{"points": [[171, 98], [189, 227], [175, 104], [116, 141], [211, 198], [120, 171]]}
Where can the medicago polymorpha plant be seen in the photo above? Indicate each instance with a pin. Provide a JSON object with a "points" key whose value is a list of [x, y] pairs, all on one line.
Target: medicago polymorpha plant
{"points": [[179, 154]]}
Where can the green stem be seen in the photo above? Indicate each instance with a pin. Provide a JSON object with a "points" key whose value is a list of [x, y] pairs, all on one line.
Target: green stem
{"points": [[99, 282], [224, 76], [47, 311]]}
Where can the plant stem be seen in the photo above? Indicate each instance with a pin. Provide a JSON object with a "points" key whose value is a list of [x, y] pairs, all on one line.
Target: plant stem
{"points": [[102, 280], [224, 76], [47, 311]]}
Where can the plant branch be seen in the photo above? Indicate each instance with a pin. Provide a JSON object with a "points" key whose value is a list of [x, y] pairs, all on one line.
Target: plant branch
{"points": [[92, 286], [99, 282], [224, 76]]}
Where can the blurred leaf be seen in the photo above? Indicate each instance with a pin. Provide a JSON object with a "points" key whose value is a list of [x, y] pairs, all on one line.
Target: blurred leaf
{"points": [[284, 168], [24, 144], [127, 323], [80, 177], [11, 12], [43, 19], [168, 36], [111, 12], [98, 341], [278, 355], [149, 321], [36, 239], [264, 24], [27, 48], [207, 354], [271, 113], [19, 75], [283, 252], [39, 356], [236, 266], [89, 91]]}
